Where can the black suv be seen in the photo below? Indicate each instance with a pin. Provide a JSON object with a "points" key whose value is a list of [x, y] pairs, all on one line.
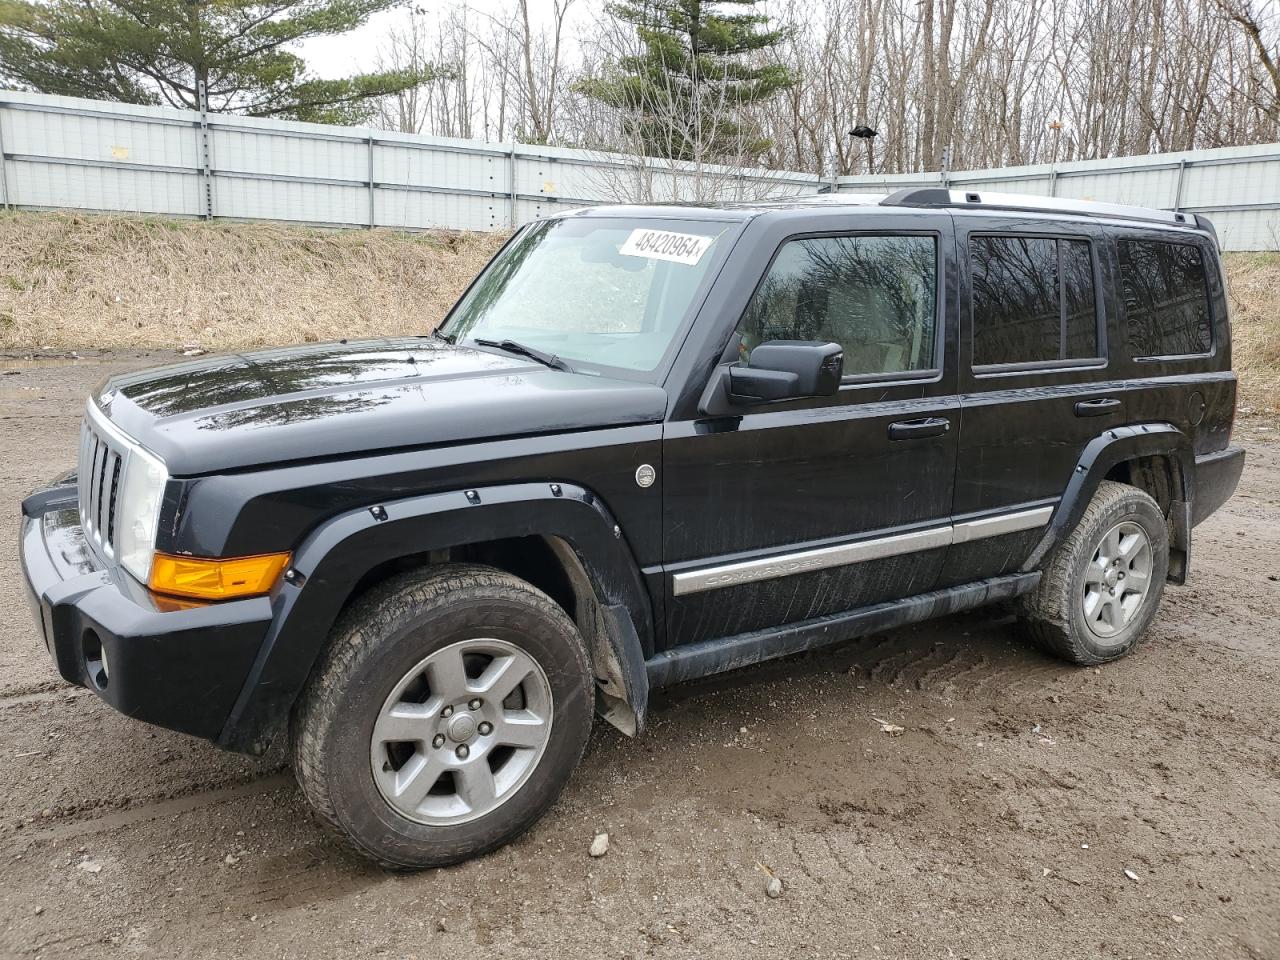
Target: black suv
{"points": [[648, 444]]}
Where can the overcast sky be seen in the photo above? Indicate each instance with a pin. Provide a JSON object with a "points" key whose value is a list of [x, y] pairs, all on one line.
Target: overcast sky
{"points": [[333, 57]]}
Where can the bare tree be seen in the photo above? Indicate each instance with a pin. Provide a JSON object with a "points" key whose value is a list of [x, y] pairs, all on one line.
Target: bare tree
{"points": [[530, 62], [999, 82], [446, 106], [1263, 33]]}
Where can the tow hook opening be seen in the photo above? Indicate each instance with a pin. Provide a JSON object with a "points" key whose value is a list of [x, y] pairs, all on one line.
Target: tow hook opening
{"points": [[96, 667]]}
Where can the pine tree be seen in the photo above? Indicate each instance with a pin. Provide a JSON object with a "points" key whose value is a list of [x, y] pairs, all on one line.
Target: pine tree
{"points": [[700, 61], [161, 51]]}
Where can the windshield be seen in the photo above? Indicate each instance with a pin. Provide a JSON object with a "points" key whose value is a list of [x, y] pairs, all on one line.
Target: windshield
{"points": [[595, 290]]}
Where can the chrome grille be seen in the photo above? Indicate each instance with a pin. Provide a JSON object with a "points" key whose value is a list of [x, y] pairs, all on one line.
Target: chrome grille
{"points": [[103, 454]]}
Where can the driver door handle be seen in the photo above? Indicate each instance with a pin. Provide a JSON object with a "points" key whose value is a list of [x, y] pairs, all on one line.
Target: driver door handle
{"points": [[919, 429]]}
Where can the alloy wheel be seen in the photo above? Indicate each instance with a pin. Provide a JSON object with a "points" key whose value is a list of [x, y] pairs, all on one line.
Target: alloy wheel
{"points": [[461, 732], [1117, 579]]}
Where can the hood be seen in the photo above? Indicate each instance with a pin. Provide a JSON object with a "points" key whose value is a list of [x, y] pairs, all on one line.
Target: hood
{"points": [[327, 400]]}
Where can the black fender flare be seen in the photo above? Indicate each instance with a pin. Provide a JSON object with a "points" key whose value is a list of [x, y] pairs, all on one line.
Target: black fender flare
{"points": [[329, 564], [1101, 454]]}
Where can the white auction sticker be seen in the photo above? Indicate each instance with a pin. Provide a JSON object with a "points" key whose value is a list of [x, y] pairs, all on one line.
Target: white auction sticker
{"points": [[665, 245]]}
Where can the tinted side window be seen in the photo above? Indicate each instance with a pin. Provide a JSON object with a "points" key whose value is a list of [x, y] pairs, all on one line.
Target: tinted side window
{"points": [[875, 296], [1033, 300], [1016, 316], [1080, 306], [1166, 298]]}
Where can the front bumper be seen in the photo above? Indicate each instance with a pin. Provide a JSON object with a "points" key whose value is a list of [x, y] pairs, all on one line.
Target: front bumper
{"points": [[177, 665]]}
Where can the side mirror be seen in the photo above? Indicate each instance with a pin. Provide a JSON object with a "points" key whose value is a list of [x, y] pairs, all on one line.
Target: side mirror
{"points": [[786, 370]]}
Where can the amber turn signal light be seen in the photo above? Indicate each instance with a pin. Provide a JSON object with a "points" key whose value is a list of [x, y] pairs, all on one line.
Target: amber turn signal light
{"points": [[224, 579]]}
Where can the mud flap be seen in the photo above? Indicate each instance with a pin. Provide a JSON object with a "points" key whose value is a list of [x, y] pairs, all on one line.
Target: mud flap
{"points": [[622, 683], [1179, 541]]}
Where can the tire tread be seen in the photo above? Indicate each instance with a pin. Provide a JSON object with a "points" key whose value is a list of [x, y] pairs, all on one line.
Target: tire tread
{"points": [[1046, 612], [361, 627]]}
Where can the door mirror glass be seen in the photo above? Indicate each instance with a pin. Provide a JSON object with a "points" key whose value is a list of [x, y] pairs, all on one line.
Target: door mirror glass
{"points": [[786, 370]]}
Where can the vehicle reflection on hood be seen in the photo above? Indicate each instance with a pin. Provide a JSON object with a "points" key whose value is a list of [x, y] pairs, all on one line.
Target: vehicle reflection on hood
{"points": [[308, 408], [296, 371], [325, 400]]}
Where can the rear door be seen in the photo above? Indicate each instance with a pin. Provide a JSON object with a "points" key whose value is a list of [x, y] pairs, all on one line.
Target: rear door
{"points": [[788, 511], [1176, 349], [1034, 388]]}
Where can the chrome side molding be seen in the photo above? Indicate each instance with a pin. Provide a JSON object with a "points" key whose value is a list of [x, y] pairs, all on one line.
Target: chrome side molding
{"points": [[860, 551], [1001, 524]]}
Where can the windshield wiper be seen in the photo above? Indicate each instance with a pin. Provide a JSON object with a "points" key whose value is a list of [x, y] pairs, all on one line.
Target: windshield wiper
{"points": [[533, 353], [446, 337]]}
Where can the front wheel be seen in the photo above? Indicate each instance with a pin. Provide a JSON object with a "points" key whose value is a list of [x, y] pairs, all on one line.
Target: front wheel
{"points": [[445, 717], [1103, 584]]}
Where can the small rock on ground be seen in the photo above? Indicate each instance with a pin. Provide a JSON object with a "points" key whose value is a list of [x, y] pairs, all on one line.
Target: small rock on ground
{"points": [[600, 845], [773, 889]]}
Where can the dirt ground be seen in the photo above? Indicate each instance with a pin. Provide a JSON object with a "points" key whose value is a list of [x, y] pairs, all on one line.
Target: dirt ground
{"points": [[1000, 824]]}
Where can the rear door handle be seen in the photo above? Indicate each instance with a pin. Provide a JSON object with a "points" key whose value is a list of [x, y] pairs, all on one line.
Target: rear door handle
{"points": [[919, 429], [1098, 408]]}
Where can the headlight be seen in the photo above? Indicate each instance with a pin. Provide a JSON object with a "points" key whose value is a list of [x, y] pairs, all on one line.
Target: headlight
{"points": [[138, 512]]}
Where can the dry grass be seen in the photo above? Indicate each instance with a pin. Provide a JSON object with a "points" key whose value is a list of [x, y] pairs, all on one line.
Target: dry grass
{"points": [[77, 280], [1254, 283]]}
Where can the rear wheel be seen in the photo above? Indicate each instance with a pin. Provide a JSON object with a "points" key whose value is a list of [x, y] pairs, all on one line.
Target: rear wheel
{"points": [[446, 716], [1103, 584]]}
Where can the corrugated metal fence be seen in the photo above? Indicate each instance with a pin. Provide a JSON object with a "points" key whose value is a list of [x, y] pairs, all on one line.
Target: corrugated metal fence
{"points": [[62, 152], [1238, 188]]}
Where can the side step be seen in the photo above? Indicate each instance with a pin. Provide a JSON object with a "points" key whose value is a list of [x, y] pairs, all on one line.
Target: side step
{"points": [[728, 653]]}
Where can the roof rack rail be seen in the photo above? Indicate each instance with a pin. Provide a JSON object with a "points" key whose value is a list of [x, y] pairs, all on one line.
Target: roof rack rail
{"points": [[940, 197]]}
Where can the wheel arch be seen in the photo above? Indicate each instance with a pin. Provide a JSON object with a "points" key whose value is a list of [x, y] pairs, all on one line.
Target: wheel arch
{"points": [[1157, 458], [559, 536]]}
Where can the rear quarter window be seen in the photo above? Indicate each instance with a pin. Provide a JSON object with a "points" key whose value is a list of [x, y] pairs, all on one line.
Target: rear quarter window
{"points": [[1166, 298]]}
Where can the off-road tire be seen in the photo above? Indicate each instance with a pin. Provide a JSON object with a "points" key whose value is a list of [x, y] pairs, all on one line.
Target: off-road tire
{"points": [[1053, 613], [376, 641]]}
